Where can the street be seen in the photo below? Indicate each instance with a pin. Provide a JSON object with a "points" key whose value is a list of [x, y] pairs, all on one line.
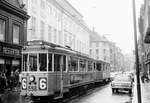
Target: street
{"points": [[104, 95]]}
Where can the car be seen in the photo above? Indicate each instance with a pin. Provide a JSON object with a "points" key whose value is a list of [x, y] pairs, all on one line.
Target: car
{"points": [[122, 82]]}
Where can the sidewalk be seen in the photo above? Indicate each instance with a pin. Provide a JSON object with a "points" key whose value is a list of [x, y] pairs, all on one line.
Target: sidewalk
{"points": [[145, 92]]}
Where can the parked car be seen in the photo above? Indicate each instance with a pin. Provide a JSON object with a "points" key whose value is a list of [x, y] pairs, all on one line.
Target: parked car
{"points": [[122, 82]]}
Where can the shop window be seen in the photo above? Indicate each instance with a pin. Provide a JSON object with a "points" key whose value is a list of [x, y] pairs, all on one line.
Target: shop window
{"points": [[2, 29], [16, 30], [43, 62], [2, 66], [16, 65], [32, 62], [73, 64]]}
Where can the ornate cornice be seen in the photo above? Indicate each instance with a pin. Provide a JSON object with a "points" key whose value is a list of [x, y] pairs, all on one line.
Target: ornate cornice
{"points": [[13, 9]]}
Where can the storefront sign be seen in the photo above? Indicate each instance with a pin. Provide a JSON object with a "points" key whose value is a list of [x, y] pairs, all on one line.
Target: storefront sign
{"points": [[11, 51]]}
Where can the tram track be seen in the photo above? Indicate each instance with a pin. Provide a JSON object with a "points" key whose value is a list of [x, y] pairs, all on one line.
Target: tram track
{"points": [[70, 98]]}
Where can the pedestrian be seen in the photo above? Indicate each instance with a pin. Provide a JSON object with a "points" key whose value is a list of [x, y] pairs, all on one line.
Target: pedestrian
{"points": [[2, 83], [142, 78]]}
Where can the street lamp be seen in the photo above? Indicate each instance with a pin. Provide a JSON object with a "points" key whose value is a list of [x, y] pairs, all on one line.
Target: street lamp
{"points": [[136, 55]]}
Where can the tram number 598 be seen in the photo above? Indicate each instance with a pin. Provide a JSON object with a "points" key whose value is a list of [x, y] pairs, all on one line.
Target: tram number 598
{"points": [[42, 83]]}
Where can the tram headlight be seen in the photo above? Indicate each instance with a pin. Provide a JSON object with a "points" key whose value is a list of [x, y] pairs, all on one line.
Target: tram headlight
{"points": [[32, 78]]}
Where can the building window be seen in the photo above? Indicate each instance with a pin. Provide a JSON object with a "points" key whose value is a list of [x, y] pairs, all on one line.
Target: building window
{"points": [[42, 30], [60, 37], [55, 33], [97, 44], [104, 51], [70, 39], [34, 5], [97, 51], [50, 10], [65, 38], [49, 33], [16, 30], [33, 25], [2, 29], [42, 4], [90, 51]]}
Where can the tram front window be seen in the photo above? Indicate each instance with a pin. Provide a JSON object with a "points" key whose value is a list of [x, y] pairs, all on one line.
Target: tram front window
{"points": [[32, 62], [42, 62], [25, 56]]}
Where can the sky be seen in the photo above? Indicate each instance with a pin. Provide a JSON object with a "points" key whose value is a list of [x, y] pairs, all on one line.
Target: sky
{"points": [[112, 18]]}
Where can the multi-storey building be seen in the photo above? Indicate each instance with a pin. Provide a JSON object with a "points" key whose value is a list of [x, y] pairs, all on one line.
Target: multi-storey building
{"points": [[129, 62], [12, 35], [144, 40], [57, 21], [102, 49], [99, 47], [113, 60]]}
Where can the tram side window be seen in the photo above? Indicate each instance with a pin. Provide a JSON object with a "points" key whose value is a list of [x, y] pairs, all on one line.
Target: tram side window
{"points": [[73, 64], [89, 66], [57, 60], [103, 67], [64, 63], [98, 67], [94, 65], [33, 62], [50, 62], [82, 65], [43, 62], [25, 62]]}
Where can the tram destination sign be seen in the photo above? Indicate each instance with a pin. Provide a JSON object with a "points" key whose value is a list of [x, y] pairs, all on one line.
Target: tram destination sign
{"points": [[10, 51]]}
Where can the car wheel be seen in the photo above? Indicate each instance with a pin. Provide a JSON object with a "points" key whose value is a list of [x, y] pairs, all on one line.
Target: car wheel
{"points": [[116, 90], [130, 91], [113, 90]]}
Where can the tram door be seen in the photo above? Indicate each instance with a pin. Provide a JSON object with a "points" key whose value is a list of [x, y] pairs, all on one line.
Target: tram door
{"points": [[58, 69]]}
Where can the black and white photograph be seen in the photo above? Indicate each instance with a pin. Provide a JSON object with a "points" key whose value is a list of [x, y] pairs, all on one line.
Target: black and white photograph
{"points": [[74, 51]]}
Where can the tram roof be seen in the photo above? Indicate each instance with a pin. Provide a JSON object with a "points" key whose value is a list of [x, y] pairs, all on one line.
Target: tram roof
{"points": [[55, 47]]}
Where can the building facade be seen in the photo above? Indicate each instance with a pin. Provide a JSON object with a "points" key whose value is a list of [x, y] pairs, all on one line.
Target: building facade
{"points": [[144, 39], [13, 21], [102, 49], [99, 47], [57, 21]]}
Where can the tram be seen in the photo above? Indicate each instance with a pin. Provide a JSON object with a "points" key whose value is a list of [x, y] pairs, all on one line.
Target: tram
{"points": [[50, 70]]}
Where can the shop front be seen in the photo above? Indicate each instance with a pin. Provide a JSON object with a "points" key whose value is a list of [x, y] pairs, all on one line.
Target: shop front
{"points": [[10, 58]]}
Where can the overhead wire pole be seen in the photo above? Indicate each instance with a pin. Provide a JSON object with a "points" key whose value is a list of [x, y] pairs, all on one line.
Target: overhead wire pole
{"points": [[136, 55]]}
